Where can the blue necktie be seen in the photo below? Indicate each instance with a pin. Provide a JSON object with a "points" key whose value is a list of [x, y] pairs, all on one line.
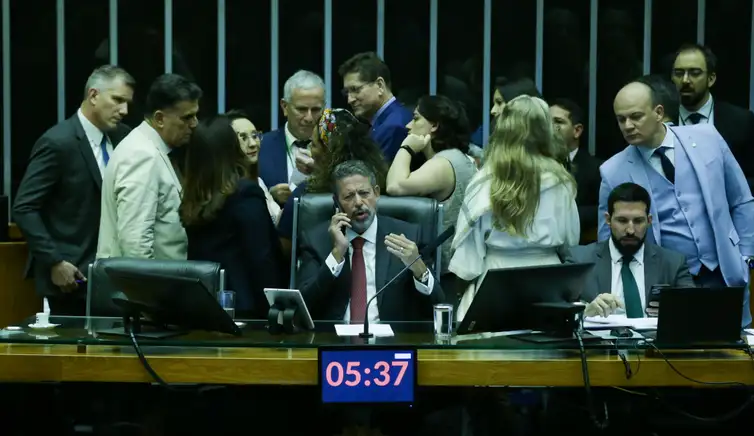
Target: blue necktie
{"points": [[103, 146]]}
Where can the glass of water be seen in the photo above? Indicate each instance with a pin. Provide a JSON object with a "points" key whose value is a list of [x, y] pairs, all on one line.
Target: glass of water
{"points": [[227, 300]]}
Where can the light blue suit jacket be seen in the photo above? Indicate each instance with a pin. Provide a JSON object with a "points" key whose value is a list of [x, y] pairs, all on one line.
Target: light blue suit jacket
{"points": [[726, 194]]}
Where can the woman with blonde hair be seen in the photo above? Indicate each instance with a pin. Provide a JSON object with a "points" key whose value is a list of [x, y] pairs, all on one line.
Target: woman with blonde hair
{"points": [[520, 207]]}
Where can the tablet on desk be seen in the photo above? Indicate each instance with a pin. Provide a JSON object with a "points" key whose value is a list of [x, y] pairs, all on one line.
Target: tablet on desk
{"points": [[290, 298]]}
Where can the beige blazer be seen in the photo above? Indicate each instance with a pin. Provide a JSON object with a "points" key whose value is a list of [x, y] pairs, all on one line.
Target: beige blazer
{"points": [[141, 194]]}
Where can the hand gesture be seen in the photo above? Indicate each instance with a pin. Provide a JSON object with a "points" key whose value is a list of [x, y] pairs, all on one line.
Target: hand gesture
{"points": [[280, 192], [603, 305], [338, 225], [64, 275], [416, 142], [304, 161], [401, 247]]}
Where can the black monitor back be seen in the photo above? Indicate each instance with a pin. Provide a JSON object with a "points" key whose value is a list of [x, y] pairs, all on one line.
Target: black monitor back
{"points": [[699, 316], [172, 300], [506, 297]]}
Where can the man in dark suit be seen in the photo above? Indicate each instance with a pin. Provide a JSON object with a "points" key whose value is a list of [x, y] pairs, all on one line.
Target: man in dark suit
{"points": [[58, 203], [367, 86], [284, 157], [346, 260], [694, 73], [569, 122], [625, 267]]}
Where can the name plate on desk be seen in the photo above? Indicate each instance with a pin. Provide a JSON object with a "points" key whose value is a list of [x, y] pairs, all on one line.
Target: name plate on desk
{"points": [[367, 374]]}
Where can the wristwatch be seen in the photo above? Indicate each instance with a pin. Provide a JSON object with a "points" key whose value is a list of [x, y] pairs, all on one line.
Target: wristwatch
{"points": [[425, 277], [409, 150], [750, 262]]}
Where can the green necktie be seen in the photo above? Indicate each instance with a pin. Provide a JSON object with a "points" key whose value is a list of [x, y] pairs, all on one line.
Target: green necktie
{"points": [[630, 290]]}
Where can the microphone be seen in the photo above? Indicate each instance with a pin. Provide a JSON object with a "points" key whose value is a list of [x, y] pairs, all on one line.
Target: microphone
{"points": [[428, 250]]}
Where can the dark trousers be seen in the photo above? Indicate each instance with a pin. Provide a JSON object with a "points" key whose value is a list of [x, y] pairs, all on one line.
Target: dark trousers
{"points": [[67, 305]]}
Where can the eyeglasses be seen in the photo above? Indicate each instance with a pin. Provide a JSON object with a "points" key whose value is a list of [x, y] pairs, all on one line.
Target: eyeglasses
{"points": [[253, 135], [692, 72], [354, 90]]}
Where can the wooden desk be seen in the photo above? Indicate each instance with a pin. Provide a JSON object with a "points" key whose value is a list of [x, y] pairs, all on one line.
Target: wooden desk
{"points": [[14, 233], [34, 363], [18, 299]]}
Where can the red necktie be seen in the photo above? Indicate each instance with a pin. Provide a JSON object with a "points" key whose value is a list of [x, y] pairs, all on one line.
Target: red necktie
{"points": [[358, 281]]}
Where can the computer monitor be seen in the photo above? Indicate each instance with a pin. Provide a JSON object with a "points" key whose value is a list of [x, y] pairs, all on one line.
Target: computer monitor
{"points": [[171, 305], [506, 299]]}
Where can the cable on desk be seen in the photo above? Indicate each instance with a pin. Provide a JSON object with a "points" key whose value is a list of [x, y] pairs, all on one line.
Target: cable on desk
{"points": [[706, 419], [600, 425], [142, 357], [624, 358]]}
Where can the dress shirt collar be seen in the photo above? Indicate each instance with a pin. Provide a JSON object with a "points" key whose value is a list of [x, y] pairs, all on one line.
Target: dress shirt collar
{"points": [[289, 138], [705, 111], [572, 154], [370, 235], [93, 133], [382, 109], [667, 142], [616, 257]]}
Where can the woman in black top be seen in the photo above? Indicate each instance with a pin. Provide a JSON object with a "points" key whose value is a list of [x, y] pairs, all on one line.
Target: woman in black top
{"points": [[226, 218]]}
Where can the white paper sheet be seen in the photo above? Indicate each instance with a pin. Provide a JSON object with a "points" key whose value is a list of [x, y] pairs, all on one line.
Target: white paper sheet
{"points": [[378, 330], [613, 321]]}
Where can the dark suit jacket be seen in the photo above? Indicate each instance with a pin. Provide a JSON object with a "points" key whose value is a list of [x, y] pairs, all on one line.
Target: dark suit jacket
{"points": [[327, 297], [57, 206], [389, 129], [273, 158], [661, 266], [243, 240], [586, 171]]}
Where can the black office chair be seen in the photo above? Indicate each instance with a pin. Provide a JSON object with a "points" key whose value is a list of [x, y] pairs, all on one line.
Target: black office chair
{"points": [[100, 290], [312, 209]]}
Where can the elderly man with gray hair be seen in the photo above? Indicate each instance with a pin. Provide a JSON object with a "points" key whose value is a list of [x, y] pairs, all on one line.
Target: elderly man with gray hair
{"points": [[346, 259], [284, 158]]}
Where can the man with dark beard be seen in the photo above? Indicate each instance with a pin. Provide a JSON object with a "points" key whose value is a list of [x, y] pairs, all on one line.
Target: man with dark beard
{"points": [[694, 74], [625, 268]]}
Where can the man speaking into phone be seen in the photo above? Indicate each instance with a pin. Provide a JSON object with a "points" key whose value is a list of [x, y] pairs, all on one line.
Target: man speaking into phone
{"points": [[625, 267], [347, 259]]}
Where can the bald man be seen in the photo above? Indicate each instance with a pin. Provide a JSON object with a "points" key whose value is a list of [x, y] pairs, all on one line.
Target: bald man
{"points": [[701, 202]]}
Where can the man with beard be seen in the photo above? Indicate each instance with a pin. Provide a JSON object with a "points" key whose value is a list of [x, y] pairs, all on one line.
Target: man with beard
{"points": [[701, 202], [345, 260], [694, 73], [625, 267]]}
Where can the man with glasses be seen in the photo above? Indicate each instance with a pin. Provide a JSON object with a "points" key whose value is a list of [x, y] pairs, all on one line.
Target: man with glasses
{"points": [[141, 192], [694, 73], [368, 88]]}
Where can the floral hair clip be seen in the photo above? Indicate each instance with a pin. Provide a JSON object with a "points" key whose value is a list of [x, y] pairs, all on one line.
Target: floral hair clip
{"points": [[327, 123]]}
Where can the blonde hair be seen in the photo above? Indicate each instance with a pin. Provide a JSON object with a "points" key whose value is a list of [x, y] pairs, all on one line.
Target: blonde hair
{"points": [[522, 148]]}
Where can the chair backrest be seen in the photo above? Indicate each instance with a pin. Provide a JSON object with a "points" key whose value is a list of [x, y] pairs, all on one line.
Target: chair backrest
{"points": [[312, 209], [101, 290]]}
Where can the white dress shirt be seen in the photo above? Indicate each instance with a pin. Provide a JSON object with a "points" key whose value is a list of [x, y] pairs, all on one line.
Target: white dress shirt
{"points": [[572, 154], [370, 261], [653, 159], [637, 269], [94, 135], [295, 177], [706, 111]]}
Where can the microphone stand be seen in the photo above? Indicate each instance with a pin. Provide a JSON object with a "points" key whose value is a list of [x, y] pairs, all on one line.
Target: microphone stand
{"points": [[365, 334]]}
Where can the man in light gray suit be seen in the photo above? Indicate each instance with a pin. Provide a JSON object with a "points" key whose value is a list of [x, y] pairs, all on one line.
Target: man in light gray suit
{"points": [[625, 268], [141, 191]]}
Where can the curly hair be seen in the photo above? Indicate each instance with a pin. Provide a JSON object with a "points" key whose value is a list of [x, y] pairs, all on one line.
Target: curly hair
{"points": [[348, 138]]}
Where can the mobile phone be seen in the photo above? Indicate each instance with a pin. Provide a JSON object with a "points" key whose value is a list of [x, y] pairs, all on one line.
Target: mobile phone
{"points": [[337, 210]]}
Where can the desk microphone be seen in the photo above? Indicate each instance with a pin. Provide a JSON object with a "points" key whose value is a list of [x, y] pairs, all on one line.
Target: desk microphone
{"points": [[429, 249]]}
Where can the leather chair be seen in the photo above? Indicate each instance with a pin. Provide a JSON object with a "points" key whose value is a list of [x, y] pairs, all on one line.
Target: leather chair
{"points": [[312, 209], [100, 290]]}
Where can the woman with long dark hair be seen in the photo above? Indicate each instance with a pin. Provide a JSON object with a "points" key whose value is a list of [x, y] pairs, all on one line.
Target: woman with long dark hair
{"points": [[226, 217]]}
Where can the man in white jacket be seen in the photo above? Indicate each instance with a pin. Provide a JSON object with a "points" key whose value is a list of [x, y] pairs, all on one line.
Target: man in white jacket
{"points": [[141, 192]]}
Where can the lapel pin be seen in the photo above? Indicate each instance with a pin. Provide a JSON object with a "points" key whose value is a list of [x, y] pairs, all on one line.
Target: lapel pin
{"points": [[693, 144]]}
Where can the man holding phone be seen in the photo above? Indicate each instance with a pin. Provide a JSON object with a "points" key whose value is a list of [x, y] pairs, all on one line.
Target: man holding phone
{"points": [[625, 267], [346, 260]]}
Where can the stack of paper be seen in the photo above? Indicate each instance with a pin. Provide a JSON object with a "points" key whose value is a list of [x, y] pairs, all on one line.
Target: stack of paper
{"points": [[615, 321]]}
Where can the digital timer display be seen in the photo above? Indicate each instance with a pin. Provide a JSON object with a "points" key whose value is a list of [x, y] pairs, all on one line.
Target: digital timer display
{"points": [[367, 375]]}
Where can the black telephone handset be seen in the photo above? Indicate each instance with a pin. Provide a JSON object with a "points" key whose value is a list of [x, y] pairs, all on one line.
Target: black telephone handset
{"points": [[337, 210]]}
